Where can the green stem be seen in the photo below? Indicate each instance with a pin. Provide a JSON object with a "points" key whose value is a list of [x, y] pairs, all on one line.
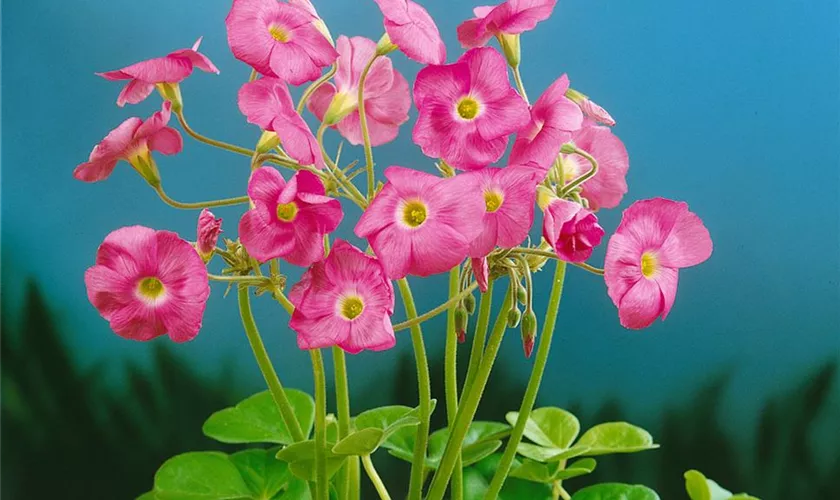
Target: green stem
{"points": [[213, 142], [583, 178], [563, 493], [530, 397], [352, 191], [424, 387], [313, 87], [263, 361], [363, 125], [198, 205], [479, 336], [342, 399], [245, 280], [519, 85], [437, 310], [322, 485], [551, 255], [451, 379], [374, 478], [469, 405]]}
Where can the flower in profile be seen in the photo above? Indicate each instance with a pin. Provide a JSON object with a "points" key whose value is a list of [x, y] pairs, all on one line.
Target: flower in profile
{"points": [[609, 184], [420, 224], [278, 39], [590, 109], [145, 75], [132, 141], [413, 30], [386, 94], [467, 110], [654, 240], [289, 220], [571, 230], [509, 195], [319, 23], [481, 272], [553, 119], [344, 300], [147, 283], [267, 103], [207, 234], [509, 18]]}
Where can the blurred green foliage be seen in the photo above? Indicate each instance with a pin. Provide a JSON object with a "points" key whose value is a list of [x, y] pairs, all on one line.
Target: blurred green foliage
{"points": [[66, 434]]}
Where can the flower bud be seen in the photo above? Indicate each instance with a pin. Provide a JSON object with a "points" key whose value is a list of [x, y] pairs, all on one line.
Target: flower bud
{"points": [[529, 332], [461, 320], [521, 294], [171, 92], [469, 303], [209, 228], [568, 148], [385, 46], [589, 108], [513, 317]]}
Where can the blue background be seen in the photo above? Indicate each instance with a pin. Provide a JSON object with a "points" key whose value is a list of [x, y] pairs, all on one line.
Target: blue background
{"points": [[731, 106]]}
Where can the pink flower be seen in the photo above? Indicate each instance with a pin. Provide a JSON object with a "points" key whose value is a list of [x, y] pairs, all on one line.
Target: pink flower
{"points": [[508, 18], [509, 195], [653, 241], [609, 184], [319, 23], [467, 110], [346, 301], [571, 230], [266, 102], [553, 118], [420, 224], [133, 141], [147, 283], [278, 39], [209, 228], [413, 30], [481, 272], [143, 76], [289, 220], [386, 94], [597, 113]]}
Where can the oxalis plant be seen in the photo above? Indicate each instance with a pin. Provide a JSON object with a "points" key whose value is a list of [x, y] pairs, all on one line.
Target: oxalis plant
{"points": [[470, 219]]}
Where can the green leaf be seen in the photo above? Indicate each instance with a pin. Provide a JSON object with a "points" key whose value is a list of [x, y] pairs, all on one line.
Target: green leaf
{"points": [[615, 437], [257, 419], [541, 454], [298, 489], [202, 475], [699, 487], [480, 441], [374, 427], [262, 472], [477, 479], [363, 442], [149, 495], [534, 471], [550, 427], [578, 468], [301, 459], [616, 491]]}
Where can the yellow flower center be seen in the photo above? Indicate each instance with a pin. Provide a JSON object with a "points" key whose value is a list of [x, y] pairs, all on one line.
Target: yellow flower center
{"points": [[493, 200], [649, 264], [352, 307], [150, 288], [287, 211], [468, 108], [279, 34], [414, 213]]}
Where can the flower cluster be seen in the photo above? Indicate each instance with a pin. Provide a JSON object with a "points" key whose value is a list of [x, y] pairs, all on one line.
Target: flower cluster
{"points": [[476, 216]]}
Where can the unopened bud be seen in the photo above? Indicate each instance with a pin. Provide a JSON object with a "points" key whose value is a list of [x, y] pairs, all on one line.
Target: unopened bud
{"points": [[469, 303], [521, 294], [171, 92], [461, 320], [513, 317], [207, 234], [568, 148], [529, 331]]}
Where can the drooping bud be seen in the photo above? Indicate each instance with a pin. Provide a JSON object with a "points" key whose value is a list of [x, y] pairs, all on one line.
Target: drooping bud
{"points": [[469, 303], [268, 141], [385, 46], [589, 108], [510, 47], [521, 294], [529, 332], [513, 317], [461, 321], [207, 234], [171, 92]]}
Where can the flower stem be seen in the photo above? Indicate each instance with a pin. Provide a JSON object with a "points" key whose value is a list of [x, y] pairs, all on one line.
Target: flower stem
{"points": [[213, 142], [322, 485], [263, 361], [451, 379], [537, 372], [363, 125], [583, 178], [424, 388], [245, 280], [374, 478], [469, 405], [519, 85], [314, 86], [342, 397], [437, 310], [352, 191], [198, 205], [479, 336], [551, 255]]}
